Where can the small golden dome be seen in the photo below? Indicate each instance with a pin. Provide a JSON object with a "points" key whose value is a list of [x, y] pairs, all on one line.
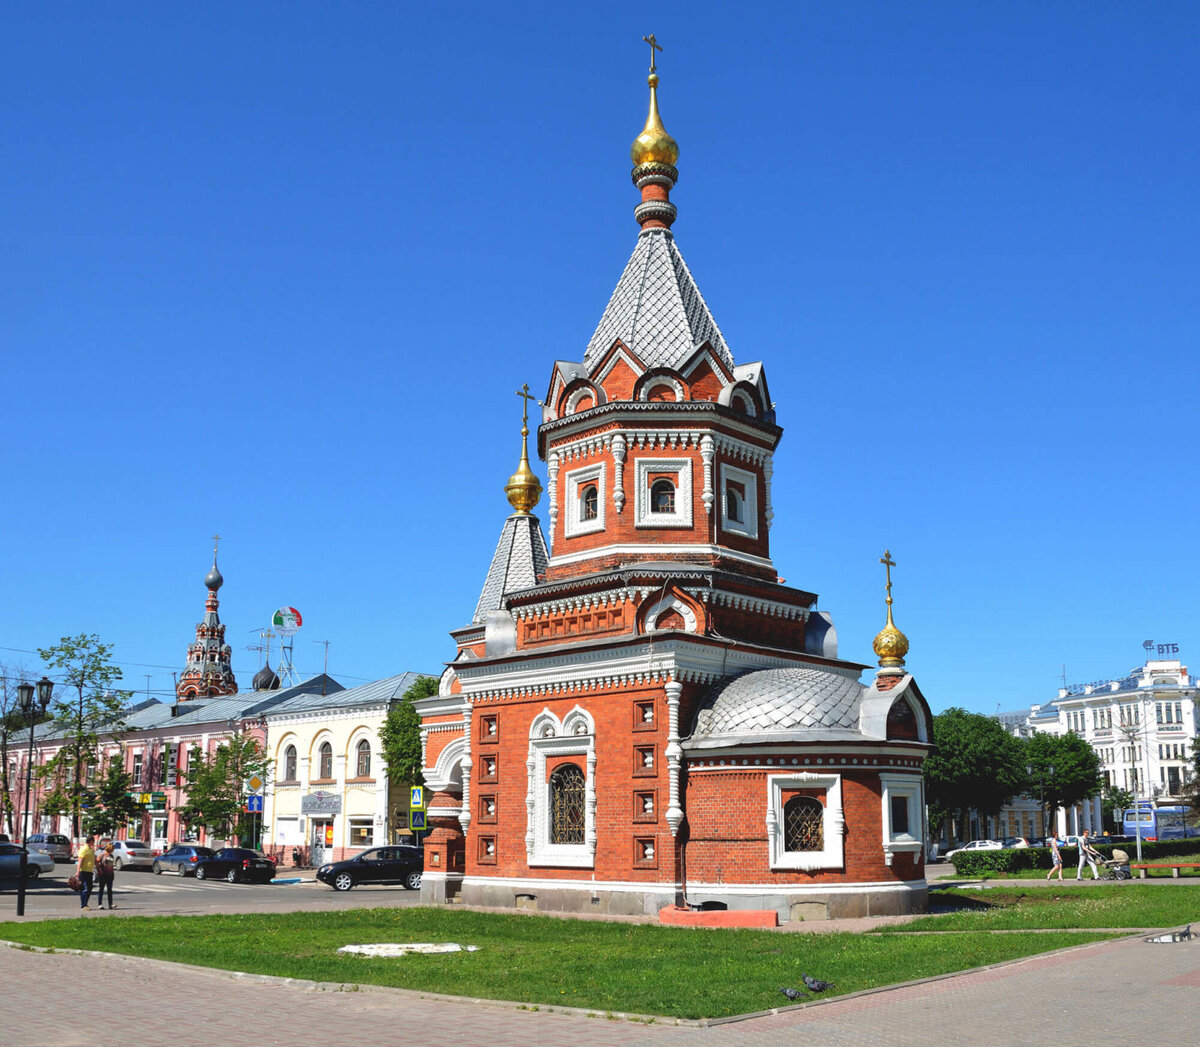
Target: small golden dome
{"points": [[523, 488], [891, 645], [654, 145]]}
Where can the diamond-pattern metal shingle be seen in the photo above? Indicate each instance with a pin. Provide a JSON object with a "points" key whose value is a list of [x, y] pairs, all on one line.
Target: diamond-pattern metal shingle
{"points": [[796, 698], [519, 560], [657, 309]]}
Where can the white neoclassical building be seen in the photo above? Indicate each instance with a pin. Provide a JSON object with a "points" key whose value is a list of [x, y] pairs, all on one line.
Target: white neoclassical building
{"points": [[328, 793]]}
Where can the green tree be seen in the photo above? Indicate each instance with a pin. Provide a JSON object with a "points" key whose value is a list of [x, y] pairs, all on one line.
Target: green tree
{"points": [[111, 805], [400, 735], [1076, 776], [1113, 801], [975, 764], [216, 786], [90, 707]]}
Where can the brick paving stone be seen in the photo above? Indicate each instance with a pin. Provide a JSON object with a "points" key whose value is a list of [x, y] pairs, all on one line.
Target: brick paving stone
{"points": [[1120, 988]]}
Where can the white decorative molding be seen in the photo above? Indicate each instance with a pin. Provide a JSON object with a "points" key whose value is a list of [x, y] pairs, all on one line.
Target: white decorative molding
{"points": [[674, 755], [440, 777], [665, 606], [768, 467], [833, 825], [681, 469], [573, 483], [706, 454], [574, 735], [910, 789], [659, 381], [464, 815], [650, 551], [618, 453], [552, 463], [747, 527]]}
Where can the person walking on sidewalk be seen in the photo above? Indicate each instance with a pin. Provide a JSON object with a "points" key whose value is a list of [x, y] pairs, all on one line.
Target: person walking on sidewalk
{"points": [[1088, 855], [1056, 855], [86, 870], [105, 874]]}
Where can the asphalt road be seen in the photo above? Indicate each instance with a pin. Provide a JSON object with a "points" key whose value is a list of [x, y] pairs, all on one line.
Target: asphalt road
{"points": [[141, 893]]}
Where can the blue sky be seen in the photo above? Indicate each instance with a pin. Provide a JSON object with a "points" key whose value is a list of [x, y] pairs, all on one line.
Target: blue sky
{"points": [[275, 270]]}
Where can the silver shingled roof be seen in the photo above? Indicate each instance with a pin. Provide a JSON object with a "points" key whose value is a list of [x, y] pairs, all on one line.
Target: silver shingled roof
{"points": [[657, 309], [519, 558], [791, 699]]}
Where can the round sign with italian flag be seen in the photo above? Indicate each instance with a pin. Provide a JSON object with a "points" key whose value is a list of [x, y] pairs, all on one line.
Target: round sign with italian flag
{"points": [[286, 621]]}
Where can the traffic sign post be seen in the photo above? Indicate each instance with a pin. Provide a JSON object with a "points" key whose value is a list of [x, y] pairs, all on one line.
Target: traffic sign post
{"points": [[416, 811]]}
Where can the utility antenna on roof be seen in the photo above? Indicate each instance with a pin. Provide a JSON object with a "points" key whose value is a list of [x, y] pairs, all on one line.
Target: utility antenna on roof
{"points": [[325, 671], [286, 622]]}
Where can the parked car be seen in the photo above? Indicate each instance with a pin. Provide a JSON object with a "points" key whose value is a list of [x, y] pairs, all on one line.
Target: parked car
{"points": [[402, 864], [54, 844], [1015, 842], [182, 859], [132, 854], [236, 864], [976, 845], [36, 862]]}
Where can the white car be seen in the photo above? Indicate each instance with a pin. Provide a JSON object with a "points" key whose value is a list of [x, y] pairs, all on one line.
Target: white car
{"points": [[132, 854], [975, 845]]}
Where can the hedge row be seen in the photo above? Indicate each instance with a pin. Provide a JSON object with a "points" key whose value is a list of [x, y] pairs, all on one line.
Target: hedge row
{"points": [[1014, 860]]}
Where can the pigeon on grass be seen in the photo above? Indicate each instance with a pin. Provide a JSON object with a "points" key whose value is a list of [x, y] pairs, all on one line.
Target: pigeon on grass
{"points": [[815, 983], [794, 994]]}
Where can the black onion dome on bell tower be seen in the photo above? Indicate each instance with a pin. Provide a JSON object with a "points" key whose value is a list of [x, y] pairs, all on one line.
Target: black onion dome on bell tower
{"points": [[265, 679]]}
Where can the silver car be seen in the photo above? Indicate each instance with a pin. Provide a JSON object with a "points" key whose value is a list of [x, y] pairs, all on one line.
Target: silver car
{"points": [[36, 863], [132, 854], [54, 844]]}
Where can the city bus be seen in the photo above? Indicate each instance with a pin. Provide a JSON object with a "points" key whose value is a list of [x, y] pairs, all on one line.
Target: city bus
{"points": [[1157, 823]]}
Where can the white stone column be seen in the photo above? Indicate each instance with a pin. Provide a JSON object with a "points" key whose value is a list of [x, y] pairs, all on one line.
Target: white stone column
{"points": [[674, 756], [618, 453], [464, 815], [379, 767], [552, 464], [706, 454], [768, 468]]}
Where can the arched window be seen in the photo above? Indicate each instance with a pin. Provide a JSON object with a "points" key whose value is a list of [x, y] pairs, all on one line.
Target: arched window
{"points": [[902, 721], [289, 764], [589, 503], [363, 767], [803, 824], [566, 804], [326, 760], [735, 501], [662, 497]]}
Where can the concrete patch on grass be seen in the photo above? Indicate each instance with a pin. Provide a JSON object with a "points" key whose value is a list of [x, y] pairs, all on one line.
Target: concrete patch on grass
{"points": [[390, 950]]}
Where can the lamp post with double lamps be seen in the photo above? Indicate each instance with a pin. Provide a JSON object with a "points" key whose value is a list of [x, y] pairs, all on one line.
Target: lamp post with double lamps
{"points": [[45, 689]]}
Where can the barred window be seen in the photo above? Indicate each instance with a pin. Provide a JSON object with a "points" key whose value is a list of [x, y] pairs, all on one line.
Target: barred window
{"points": [[363, 770], [589, 503], [326, 762], [662, 497], [289, 764], [803, 824], [566, 804]]}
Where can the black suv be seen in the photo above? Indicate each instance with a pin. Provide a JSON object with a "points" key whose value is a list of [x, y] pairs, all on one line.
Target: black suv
{"points": [[399, 864]]}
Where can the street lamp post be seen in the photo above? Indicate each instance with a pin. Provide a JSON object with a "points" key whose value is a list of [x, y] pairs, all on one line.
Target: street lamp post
{"points": [[45, 688], [1042, 772]]}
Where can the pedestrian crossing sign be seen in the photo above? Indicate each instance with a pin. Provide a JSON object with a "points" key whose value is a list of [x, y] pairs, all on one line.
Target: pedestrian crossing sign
{"points": [[417, 799], [417, 820]]}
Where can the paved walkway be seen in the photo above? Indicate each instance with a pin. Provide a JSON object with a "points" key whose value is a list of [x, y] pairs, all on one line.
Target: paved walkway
{"points": [[1123, 987]]}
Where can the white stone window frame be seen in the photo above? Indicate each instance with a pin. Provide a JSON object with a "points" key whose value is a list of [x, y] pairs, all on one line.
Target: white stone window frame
{"points": [[573, 484], [910, 788], [682, 469], [747, 528], [832, 828], [549, 738]]}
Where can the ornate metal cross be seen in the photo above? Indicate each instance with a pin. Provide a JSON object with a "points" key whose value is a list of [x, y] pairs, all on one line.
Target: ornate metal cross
{"points": [[216, 542], [654, 46], [526, 396], [888, 564]]}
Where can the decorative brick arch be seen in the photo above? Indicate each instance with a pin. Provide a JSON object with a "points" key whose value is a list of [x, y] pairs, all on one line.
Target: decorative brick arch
{"points": [[549, 737]]}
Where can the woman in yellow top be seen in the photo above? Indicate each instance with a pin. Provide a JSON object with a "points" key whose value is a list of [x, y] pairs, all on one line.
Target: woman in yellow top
{"points": [[86, 869]]}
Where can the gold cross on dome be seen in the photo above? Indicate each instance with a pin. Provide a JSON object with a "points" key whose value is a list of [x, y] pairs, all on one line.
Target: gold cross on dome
{"points": [[654, 46], [888, 564], [526, 396]]}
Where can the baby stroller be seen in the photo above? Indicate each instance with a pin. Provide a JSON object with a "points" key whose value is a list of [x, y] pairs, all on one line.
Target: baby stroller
{"points": [[1116, 867]]}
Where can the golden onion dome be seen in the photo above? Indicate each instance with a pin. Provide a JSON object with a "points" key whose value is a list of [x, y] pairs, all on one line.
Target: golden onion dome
{"points": [[891, 645], [654, 145], [523, 488]]}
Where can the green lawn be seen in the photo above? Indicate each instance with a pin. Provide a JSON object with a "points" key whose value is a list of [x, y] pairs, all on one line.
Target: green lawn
{"points": [[644, 969], [1127, 904]]}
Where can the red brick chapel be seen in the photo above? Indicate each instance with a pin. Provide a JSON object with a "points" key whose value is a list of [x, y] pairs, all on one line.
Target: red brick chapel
{"points": [[641, 716]]}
